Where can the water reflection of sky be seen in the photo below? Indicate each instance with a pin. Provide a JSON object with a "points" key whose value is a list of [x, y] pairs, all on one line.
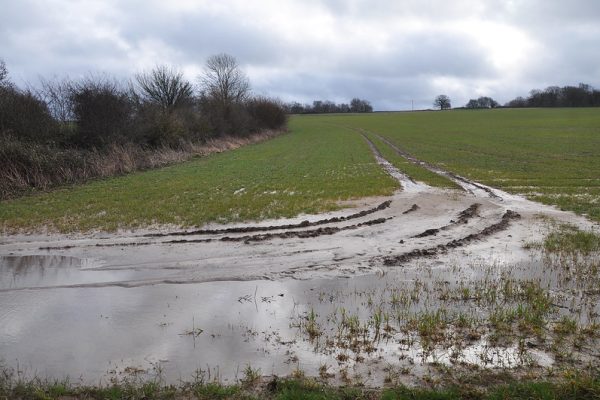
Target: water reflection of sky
{"points": [[86, 332]]}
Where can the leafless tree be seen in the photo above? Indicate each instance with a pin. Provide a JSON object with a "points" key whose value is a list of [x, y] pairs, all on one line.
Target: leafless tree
{"points": [[442, 102], [224, 81], [3, 72], [57, 95], [165, 87]]}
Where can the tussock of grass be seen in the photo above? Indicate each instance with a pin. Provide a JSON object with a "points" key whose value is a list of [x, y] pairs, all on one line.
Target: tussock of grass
{"points": [[571, 240]]}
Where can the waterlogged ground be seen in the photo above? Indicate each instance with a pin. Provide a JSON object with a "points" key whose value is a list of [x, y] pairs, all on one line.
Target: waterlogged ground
{"points": [[427, 284]]}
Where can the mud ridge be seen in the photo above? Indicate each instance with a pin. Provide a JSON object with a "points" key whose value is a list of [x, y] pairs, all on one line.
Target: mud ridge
{"points": [[250, 229], [246, 239], [301, 234], [463, 217], [436, 169], [443, 248], [413, 208]]}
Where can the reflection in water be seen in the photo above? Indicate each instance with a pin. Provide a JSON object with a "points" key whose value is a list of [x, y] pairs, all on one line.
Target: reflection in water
{"points": [[36, 270], [48, 271]]}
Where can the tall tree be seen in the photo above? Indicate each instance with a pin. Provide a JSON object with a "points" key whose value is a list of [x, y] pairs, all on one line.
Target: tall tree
{"points": [[165, 87], [224, 81]]}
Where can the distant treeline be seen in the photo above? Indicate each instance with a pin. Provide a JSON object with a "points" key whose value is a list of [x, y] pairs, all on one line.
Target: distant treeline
{"points": [[325, 106], [482, 102], [156, 110], [582, 95]]}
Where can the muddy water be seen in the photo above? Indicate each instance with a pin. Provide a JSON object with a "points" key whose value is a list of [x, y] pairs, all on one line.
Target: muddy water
{"points": [[96, 334]]}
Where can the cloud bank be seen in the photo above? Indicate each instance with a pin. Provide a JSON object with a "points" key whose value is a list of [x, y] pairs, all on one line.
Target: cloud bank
{"points": [[392, 53]]}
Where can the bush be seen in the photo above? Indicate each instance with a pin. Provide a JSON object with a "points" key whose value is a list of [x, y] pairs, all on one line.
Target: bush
{"points": [[103, 112], [266, 113], [156, 126], [24, 115], [225, 120]]}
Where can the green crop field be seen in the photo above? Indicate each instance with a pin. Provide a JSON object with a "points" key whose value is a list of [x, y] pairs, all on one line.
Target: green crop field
{"points": [[307, 170], [550, 155]]}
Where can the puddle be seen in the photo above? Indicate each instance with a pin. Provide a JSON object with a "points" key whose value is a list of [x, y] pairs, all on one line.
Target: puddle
{"points": [[95, 334], [47, 271]]}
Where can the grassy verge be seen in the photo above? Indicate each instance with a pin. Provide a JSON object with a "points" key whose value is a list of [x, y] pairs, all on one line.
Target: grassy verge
{"points": [[292, 389], [28, 168], [410, 169], [549, 155], [305, 171]]}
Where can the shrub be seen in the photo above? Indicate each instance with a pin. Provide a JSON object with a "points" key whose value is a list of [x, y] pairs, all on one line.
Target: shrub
{"points": [[266, 113], [24, 115], [103, 112]]}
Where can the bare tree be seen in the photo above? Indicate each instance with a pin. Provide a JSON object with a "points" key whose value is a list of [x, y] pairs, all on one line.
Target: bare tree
{"points": [[3, 72], [57, 94], [165, 87], [442, 102], [224, 81], [362, 106]]}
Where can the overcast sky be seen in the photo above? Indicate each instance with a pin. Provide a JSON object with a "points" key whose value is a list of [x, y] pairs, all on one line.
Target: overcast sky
{"points": [[387, 51]]}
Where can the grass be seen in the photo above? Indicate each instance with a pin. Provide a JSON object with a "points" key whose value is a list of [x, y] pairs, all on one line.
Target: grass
{"points": [[306, 171], [549, 155], [572, 240], [291, 389]]}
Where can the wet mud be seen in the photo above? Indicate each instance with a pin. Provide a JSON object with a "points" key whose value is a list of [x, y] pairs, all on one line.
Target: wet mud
{"points": [[249, 229], [412, 208], [304, 234], [463, 218], [443, 248]]}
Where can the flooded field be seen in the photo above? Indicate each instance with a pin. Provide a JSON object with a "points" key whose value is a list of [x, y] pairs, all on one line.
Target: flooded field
{"points": [[428, 283]]}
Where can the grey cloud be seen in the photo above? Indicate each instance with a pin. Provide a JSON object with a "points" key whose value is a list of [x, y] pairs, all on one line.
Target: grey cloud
{"points": [[386, 51]]}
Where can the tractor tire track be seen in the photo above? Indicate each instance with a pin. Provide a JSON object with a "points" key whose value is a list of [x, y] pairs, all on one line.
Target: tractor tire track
{"points": [[463, 182]]}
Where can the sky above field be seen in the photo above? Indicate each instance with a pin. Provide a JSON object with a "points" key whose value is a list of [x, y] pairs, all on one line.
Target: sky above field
{"points": [[393, 53]]}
